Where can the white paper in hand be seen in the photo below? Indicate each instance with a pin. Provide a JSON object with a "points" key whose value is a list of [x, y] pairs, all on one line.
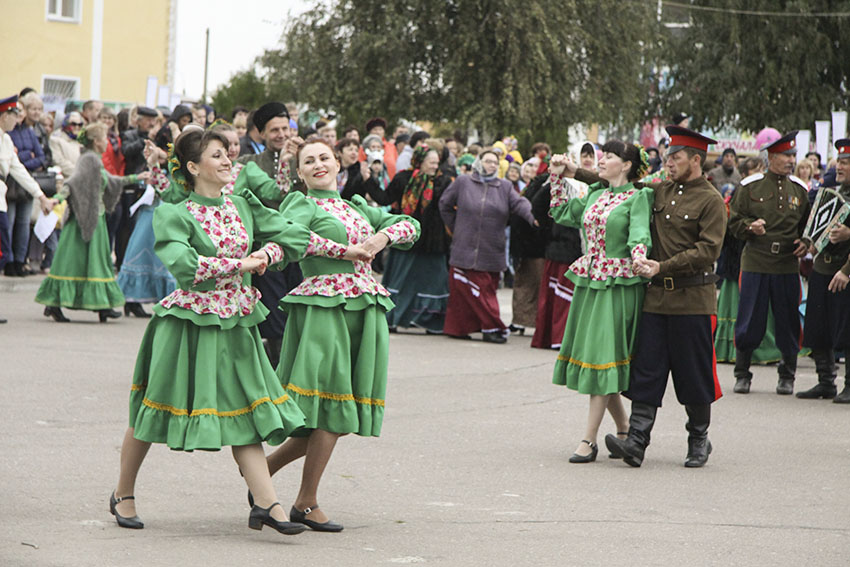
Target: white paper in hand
{"points": [[45, 225], [145, 199]]}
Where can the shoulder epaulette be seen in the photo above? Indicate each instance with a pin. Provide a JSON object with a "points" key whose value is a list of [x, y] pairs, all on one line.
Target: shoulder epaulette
{"points": [[798, 181], [751, 178]]}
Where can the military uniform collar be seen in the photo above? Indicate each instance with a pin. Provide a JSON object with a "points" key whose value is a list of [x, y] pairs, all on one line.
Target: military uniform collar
{"points": [[774, 176], [696, 182]]}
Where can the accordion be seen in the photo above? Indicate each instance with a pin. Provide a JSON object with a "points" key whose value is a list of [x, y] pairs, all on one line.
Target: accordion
{"points": [[830, 209]]}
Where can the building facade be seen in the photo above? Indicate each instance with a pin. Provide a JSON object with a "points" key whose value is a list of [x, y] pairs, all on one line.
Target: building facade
{"points": [[88, 49]]}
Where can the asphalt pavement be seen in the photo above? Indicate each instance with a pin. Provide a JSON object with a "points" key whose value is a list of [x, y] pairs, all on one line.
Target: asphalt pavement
{"points": [[471, 468]]}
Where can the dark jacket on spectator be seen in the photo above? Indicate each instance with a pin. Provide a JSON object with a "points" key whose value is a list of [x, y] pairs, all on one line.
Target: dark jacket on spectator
{"points": [[529, 241], [563, 243], [355, 185], [132, 146], [29, 149], [433, 238]]}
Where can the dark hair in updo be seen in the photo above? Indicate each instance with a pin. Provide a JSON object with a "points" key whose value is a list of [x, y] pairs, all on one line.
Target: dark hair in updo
{"points": [[626, 152], [189, 146]]}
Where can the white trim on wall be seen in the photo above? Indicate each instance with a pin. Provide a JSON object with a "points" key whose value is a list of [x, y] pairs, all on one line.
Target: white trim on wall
{"points": [[75, 19], [96, 50]]}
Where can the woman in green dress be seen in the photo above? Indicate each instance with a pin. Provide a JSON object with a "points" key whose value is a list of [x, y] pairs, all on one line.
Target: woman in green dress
{"points": [[202, 380], [605, 312], [335, 345], [81, 276]]}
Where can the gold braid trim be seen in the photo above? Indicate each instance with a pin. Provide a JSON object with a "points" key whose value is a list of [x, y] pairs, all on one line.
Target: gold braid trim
{"points": [[79, 279], [212, 411], [138, 387], [605, 366], [335, 397]]}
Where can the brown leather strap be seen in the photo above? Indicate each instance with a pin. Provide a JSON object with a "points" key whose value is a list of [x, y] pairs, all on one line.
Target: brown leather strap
{"points": [[670, 283]]}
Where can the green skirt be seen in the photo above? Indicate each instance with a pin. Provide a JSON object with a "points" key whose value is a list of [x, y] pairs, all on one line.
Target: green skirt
{"points": [[81, 276], [598, 340], [724, 336], [204, 387], [333, 362]]}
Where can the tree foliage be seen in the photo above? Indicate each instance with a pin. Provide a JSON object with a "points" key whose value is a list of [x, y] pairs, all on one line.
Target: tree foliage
{"points": [[753, 71], [533, 68], [512, 66]]}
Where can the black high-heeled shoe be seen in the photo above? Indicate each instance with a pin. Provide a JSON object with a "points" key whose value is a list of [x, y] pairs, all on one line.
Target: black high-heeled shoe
{"points": [[132, 308], [517, 329], [612, 455], [105, 314], [261, 517], [594, 450], [133, 523], [300, 516], [56, 314]]}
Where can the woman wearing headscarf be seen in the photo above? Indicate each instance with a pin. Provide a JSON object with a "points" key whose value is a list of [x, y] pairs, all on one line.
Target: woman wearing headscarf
{"points": [[476, 208], [81, 276], [418, 278]]}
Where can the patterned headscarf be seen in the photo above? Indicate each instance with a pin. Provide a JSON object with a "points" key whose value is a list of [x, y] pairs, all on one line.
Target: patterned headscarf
{"points": [[420, 188]]}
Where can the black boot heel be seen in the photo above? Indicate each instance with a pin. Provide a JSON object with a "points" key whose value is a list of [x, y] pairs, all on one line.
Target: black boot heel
{"points": [[133, 308], [56, 314], [261, 517]]}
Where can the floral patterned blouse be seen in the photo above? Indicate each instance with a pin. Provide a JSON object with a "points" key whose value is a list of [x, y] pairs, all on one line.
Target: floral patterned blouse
{"points": [[615, 224], [203, 242], [358, 230]]}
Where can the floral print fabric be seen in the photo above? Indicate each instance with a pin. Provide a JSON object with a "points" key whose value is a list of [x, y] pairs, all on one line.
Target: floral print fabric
{"points": [[358, 230]]}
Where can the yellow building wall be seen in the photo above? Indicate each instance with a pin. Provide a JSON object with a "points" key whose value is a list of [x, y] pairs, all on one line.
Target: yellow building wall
{"points": [[35, 46], [135, 45]]}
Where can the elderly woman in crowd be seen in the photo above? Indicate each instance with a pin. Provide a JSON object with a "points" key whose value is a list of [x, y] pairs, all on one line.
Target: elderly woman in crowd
{"points": [[418, 278], [476, 208], [82, 276], [64, 145], [373, 148]]}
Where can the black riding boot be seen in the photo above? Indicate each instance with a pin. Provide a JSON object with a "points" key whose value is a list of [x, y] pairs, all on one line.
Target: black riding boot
{"points": [[743, 376], [825, 367], [787, 369], [699, 447], [844, 396], [634, 446]]}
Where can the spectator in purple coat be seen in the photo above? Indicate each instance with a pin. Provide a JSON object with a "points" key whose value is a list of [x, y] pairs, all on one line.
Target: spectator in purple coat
{"points": [[476, 209]]}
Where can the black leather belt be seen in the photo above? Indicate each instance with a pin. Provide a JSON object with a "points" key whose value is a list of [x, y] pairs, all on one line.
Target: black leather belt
{"points": [[670, 283], [774, 247]]}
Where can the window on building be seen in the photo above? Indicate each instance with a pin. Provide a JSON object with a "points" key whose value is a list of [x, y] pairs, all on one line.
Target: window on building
{"points": [[64, 10], [61, 87]]}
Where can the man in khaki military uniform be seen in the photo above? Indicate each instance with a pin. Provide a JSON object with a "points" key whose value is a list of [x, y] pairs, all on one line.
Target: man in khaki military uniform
{"points": [[769, 211], [827, 325], [676, 333]]}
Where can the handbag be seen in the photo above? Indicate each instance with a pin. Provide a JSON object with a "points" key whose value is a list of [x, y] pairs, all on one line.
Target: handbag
{"points": [[16, 194]]}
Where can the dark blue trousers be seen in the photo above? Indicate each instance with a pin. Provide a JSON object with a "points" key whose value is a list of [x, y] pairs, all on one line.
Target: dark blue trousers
{"points": [[5, 241], [760, 292], [827, 324], [681, 344], [273, 285]]}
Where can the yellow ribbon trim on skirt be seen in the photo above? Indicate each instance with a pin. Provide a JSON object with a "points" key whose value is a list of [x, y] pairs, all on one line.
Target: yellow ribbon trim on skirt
{"points": [[605, 366], [79, 279], [211, 411], [335, 397]]}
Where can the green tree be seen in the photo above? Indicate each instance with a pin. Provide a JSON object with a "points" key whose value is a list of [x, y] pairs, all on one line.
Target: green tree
{"points": [[245, 88], [527, 67], [752, 71]]}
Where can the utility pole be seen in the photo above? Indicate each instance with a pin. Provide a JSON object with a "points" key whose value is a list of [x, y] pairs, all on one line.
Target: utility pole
{"points": [[206, 66]]}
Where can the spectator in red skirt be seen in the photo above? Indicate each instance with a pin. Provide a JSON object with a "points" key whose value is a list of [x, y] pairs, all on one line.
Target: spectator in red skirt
{"points": [[476, 208]]}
